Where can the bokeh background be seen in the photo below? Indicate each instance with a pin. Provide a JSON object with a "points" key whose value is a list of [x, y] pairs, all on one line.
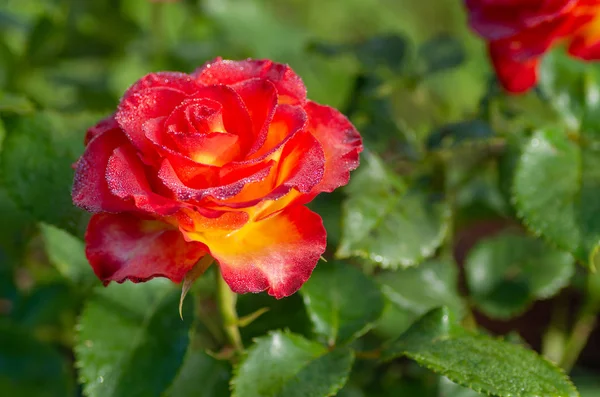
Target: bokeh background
{"points": [[399, 69]]}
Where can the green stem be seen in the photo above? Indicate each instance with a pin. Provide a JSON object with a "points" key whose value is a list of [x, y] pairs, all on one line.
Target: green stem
{"points": [[555, 338], [158, 31], [584, 325], [226, 300]]}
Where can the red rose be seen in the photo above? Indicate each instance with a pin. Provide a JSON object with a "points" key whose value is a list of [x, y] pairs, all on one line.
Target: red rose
{"points": [[519, 32], [219, 162]]}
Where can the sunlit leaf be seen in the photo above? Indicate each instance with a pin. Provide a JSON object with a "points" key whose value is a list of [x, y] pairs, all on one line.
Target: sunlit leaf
{"points": [[477, 361], [287, 365]]}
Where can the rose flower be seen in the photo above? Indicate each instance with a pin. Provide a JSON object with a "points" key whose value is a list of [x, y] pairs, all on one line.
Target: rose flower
{"points": [[220, 162], [519, 32]]}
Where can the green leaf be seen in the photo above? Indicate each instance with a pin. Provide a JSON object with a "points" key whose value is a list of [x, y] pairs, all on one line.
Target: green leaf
{"points": [[30, 368], [441, 53], [386, 224], [477, 361], [47, 308], [555, 190], [508, 272], [432, 284], [326, 295], [46, 41], [67, 254], [464, 132], [571, 87], [201, 376], [451, 389], [14, 103], [388, 50], [35, 166], [15, 229], [282, 364], [131, 340], [413, 292]]}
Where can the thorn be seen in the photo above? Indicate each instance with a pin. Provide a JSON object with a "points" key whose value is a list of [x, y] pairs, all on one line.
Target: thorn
{"points": [[192, 275], [323, 259], [244, 321]]}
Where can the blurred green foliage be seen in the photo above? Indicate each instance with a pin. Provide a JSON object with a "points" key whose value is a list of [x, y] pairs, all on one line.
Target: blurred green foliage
{"points": [[450, 161]]}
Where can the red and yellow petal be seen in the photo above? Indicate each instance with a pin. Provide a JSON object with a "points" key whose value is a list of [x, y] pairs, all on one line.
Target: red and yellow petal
{"points": [[290, 87], [277, 254], [341, 144], [287, 121], [223, 190], [300, 168], [585, 42], [124, 247]]}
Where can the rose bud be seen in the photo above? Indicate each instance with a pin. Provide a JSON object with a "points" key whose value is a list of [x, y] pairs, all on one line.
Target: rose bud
{"points": [[519, 32], [221, 162]]}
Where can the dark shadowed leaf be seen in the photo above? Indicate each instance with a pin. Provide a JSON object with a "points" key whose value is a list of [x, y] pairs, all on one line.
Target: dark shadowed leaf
{"points": [[130, 339], [441, 53], [414, 291], [35, 167], [451, 135], [506, 273], [30, 368], [201, 376]]}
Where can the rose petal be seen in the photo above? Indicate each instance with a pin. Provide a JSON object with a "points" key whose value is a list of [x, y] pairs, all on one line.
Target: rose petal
{"points": [[107, 124], [341, 143], [287, 121], [496, 20], [203, 220], [300, 168], [228, 187], [134, 110], [90, 189], [215, 149], [123, 247], [196, 115], [126, 179], [289, 85], [585, 49], [235, 114], [260, 97], [586, 41], [277, 254], [191, 173], [515, 77]]}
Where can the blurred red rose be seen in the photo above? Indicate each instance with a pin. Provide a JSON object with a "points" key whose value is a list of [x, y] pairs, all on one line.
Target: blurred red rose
{"points": [[219, 162], [519, 32]]}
